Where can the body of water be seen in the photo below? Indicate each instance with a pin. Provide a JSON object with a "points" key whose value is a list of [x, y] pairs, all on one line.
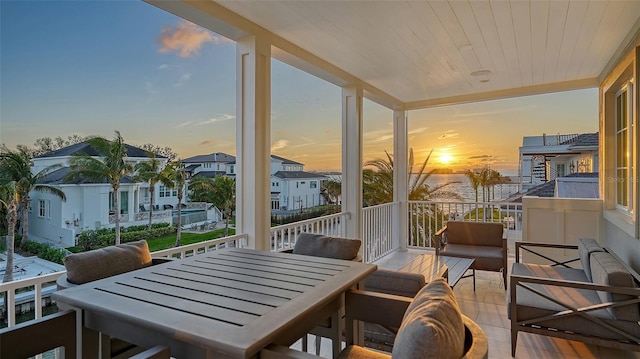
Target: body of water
{"points": [[460, 184]]}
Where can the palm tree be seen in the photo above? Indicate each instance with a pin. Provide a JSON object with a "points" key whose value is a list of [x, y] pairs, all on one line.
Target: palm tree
{"points": [[111, 165], [224, 197], [152, 171], [378, 184], [331, 189], [9, 198], [201, 189], [16, 166], [475, 178], [178, 176]]}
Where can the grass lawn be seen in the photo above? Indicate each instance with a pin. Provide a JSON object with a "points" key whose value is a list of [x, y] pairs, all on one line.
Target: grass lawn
{"points": [[169, 241]]}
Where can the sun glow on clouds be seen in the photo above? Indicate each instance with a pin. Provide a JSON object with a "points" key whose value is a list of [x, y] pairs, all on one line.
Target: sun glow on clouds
{"points": [[278, 145], [186, 39]]}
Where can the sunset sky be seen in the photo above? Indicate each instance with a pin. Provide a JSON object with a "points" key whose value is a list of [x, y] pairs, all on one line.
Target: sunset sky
{"points": [[90, 68]]}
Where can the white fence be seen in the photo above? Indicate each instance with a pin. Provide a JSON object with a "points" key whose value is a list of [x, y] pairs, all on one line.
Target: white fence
{"points": [[377, 231], [427, 217], [284, 237]]}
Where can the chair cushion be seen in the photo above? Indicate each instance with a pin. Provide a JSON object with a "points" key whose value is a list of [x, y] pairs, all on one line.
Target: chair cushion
{"points": [[106, 262], [394, 282], [321, 245], [432, 326], [475, 233], [606, 270], [486, 258], [586, 246]]}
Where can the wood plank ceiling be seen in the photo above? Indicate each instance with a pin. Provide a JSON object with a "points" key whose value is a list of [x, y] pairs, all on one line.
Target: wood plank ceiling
{"points": [[426, 53]]}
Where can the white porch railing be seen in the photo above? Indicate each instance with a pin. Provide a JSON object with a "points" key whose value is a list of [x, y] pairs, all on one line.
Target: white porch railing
{"points": [[377, 231], [284, 237], [427, 217], [44, 284], [237, 241]]}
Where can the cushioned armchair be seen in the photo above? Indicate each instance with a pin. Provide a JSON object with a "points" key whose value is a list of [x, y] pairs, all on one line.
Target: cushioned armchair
{"points": [[482, 241], [387, 281], [320, 245], [102, 263], [430, 326]]}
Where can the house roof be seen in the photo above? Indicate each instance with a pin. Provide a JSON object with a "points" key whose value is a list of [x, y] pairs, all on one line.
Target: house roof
{"points": [[586, 140], [434, 52], [57, 177], [213, 157], [84, 147], [547, 189], [210, 174], [286, 161], [297, 174]]}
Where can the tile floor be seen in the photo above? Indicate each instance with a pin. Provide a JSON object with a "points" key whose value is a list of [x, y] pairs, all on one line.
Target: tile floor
{"points": [[487, 307]]}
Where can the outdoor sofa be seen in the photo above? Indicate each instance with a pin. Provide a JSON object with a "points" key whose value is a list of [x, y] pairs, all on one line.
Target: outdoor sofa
{"points": [[596, 303]]}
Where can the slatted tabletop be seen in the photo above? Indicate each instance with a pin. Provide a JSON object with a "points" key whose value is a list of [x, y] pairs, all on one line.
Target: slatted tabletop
{"points": [[227, 303]]}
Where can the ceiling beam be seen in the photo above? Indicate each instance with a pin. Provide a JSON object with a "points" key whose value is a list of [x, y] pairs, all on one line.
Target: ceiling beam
{"points": [[506, 93]]}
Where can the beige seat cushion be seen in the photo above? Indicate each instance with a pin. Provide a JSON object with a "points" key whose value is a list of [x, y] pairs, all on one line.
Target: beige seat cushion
{"points": [[106, 262], [432, 326]]}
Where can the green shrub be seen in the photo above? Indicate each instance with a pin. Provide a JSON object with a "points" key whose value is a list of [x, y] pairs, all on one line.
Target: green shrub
{"points": [[44, 251], [103, 237]]}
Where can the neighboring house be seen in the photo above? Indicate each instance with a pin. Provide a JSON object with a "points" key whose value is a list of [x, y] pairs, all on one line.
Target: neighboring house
{"points": [[547, 157], [291, 187], [211, 165], [91, 205]]}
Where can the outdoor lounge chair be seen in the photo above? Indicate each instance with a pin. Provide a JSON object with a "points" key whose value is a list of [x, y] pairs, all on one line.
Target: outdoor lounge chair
{"points": [[482, 241]]}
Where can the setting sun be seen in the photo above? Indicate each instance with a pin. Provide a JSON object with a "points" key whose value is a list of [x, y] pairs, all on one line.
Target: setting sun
{"points": [[446, 158]]}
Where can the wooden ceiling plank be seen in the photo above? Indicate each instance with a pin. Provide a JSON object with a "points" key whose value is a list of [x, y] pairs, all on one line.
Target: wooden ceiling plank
{"points": [[539, 36], [486, 22], [571, 32], [522, 30], [556, 20], [609, 29], [504, 24], [585, 47]]}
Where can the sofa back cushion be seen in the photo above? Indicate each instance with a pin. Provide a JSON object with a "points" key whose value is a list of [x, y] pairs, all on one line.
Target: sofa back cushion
{"points": [[606, 270], [432, 326], [474, 233], [106, 262], [586, 246], [321, 245]]}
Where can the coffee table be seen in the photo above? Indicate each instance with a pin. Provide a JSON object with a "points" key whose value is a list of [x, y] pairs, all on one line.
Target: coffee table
{"points": [[432, 266]]}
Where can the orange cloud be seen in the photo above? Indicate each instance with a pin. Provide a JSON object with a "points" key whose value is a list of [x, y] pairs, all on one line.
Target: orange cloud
{"points": [[186, 39]]}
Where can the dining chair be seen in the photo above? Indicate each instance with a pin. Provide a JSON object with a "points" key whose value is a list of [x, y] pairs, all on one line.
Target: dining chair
{"points": [[321, 245], [101, 263]]}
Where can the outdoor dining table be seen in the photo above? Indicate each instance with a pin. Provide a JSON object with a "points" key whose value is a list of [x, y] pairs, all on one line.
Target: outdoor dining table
{"points": [[228, 303]]}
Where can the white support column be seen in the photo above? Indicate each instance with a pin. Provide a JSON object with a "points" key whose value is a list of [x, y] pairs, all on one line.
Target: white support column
{"points": [[352, 159], [253, 139], [400, 180]]}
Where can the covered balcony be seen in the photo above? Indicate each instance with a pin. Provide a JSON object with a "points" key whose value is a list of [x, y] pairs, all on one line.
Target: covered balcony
{"points": [[413, 55]]}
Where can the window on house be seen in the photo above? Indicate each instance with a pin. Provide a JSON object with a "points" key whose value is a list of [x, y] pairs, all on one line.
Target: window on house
{"points": [[560, 170], [43, 209], [624, 150], [166, 192], [231, 169], [313, 184]]}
